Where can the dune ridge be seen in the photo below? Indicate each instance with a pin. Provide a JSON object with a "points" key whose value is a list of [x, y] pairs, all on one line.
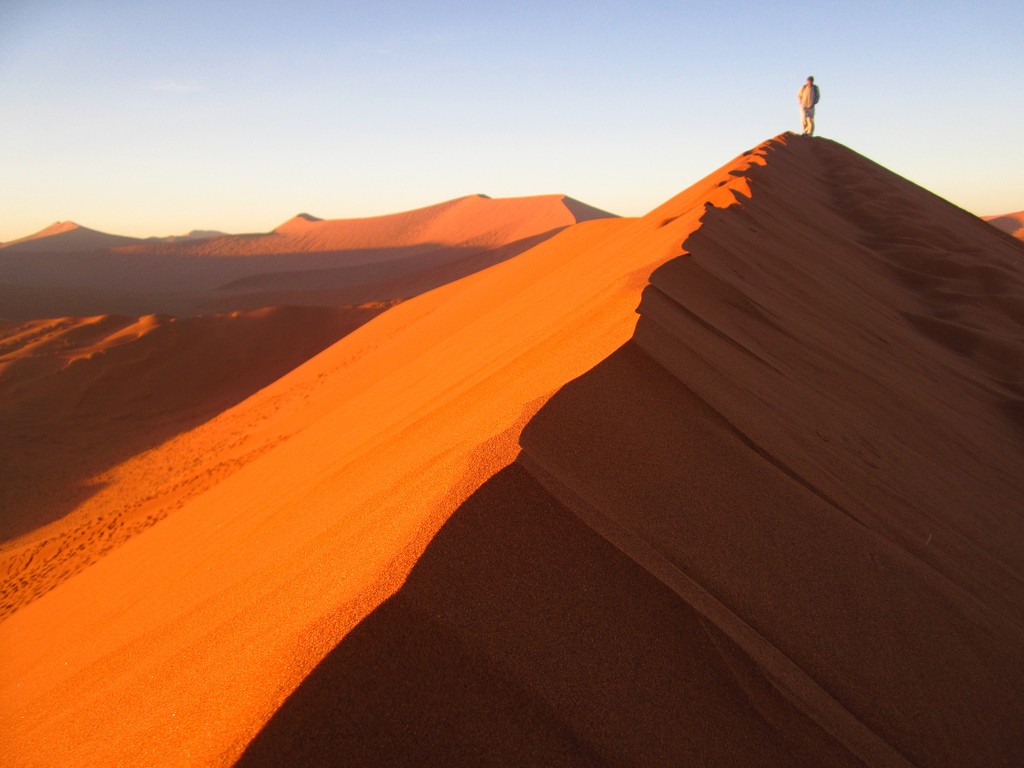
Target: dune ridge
{"points": [[473, 219], [67, 237], [857, 581], [305, 261], [775, 519], [863, 432]]}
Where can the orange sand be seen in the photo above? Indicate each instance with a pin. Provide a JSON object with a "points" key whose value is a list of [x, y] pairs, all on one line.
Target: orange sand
{"points": [[776, 520], [69, 270], [79, 397], [67, 237], [1013, 223]]}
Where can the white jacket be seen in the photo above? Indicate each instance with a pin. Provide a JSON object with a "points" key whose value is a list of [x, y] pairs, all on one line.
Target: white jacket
{"points": [[808, 95]]}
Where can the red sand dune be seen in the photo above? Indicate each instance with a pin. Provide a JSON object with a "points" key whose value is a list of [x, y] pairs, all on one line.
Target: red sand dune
{"points": [[776, 520], [67, 237], [304, 261], [1012, 223], [473, 219], [80, 396]]}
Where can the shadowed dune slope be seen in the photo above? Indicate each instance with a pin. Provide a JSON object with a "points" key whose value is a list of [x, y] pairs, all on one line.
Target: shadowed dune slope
{"points": [[775, 521]]}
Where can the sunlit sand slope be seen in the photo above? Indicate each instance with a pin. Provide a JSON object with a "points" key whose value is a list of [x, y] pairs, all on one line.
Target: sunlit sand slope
{"points": [[85, 402]]}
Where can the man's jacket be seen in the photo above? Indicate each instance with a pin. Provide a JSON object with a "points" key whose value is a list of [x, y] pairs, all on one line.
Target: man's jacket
{"points": [[808, 95]]}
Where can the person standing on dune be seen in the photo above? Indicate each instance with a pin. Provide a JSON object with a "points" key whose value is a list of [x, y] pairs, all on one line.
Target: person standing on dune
{"points": [[808, 96]]}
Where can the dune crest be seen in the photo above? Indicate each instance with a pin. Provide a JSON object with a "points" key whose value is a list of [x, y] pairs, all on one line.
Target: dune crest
{"points": [[775, 519]]}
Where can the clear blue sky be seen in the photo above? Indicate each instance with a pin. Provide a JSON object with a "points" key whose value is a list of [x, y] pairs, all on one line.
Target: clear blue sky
{"points": [[153, 118]]}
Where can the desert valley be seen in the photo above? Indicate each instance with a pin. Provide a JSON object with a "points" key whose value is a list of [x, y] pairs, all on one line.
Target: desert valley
{"points": [[739, 482]]}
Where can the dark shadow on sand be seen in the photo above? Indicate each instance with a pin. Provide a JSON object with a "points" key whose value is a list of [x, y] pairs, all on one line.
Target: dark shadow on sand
{"points": [[522, 637]]}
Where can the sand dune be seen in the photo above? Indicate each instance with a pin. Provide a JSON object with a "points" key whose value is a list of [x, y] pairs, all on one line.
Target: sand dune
{"points": [[80, 396], [474, 219], [80, 399], [67, 237], [1013, 223], [304, 261], [774, 520]]}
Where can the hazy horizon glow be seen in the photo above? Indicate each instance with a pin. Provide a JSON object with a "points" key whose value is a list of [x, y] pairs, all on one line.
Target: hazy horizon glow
{"points": [[150, 119]]}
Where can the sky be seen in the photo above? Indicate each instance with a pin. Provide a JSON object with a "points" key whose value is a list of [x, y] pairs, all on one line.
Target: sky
{"points": [[151, 118]]}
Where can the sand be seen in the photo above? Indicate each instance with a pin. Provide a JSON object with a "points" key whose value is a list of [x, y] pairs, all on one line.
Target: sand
{"points": [[83, 403], [86, 399], [68, 270], [1012, 223], [67, 237], [772, 519]]}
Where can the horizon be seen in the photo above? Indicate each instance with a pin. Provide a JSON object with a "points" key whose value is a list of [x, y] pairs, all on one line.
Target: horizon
{"points": [[68, 225], [146, 121]]}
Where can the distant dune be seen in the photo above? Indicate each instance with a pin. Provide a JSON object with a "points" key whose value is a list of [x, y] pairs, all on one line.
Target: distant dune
{"points": [[1013, 223], [305, 261], [195, 234], [67, 237], [474, 219], [735, 483]]}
